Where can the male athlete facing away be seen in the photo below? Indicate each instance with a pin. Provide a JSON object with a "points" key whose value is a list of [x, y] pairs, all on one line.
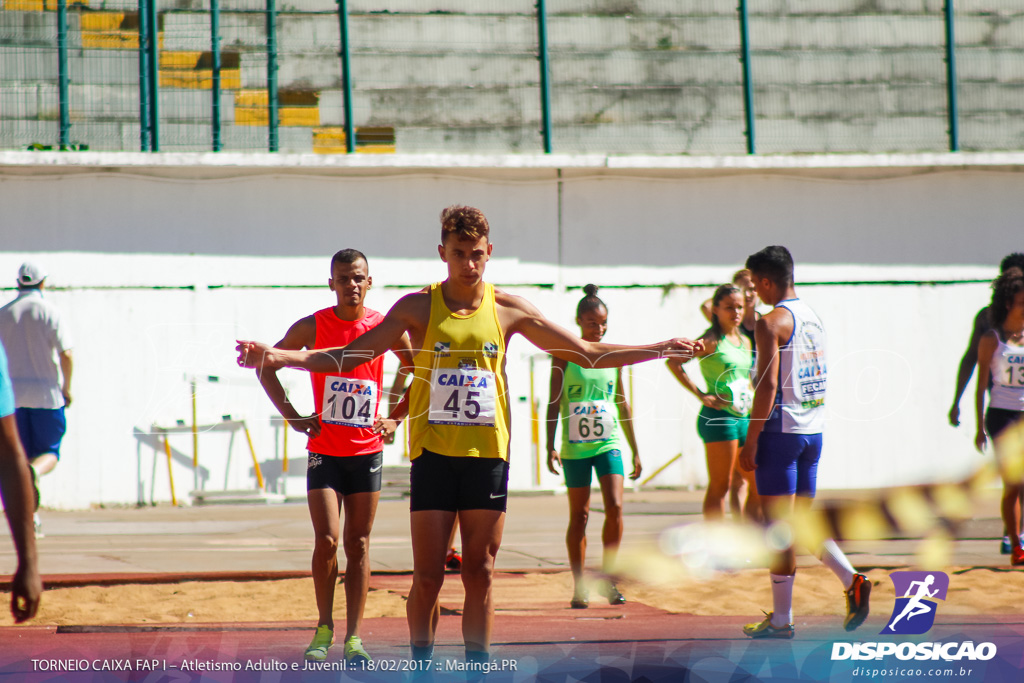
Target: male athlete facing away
{"points": [[784, 436]]}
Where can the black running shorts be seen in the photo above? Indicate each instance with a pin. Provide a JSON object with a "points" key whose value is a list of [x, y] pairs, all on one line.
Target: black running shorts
{"points": [[998, 419], [443, 482], [348, 474]]}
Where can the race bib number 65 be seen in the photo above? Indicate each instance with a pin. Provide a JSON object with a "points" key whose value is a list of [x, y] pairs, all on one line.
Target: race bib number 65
{"points": [[463, 397], [349, 402], [590, 421]]}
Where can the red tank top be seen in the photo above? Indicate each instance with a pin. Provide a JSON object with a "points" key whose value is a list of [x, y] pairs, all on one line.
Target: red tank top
{"points": [[347, 404]]}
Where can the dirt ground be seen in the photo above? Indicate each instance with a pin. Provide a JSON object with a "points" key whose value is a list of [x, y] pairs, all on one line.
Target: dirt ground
{"points": [[979, 590]]}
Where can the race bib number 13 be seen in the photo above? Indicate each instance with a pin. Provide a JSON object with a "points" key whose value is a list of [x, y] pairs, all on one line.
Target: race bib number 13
{"points": [[463, 397], [349, 402], [590, 421]]}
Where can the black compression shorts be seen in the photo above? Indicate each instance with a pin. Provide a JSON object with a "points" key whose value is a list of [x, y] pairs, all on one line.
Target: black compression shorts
{"points": [[443, 482], [349, 474]]}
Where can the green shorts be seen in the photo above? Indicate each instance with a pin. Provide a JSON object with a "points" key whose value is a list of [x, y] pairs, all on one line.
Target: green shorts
{"points": [[718, 425], [577, 471]]}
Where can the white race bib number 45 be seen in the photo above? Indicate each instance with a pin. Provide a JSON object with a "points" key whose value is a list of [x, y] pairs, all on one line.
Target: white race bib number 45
{"points": [[590, 421], [462, 396], [349, 402]]}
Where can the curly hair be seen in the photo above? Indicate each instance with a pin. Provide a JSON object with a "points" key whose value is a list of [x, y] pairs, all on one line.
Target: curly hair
{"points": [[1005, 289], [465, 222]]}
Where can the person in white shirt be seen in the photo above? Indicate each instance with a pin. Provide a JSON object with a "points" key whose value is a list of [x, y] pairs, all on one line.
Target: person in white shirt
{"points": [[39, 354]]}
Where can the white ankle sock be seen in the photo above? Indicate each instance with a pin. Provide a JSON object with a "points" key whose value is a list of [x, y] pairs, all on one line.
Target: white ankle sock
{"points": [[782, 599], [835, 559]]}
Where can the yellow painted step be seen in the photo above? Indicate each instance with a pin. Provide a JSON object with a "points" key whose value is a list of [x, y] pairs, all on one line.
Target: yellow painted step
{"points": [[39, 5], [200, 79], [194, 70], [298, 108], [112, 31], [112, 40], [331, 140], [252, 98], [102, 21], [179, 60], [287, 116]]}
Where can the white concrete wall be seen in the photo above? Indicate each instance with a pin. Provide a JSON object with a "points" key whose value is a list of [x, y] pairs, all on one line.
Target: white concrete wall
{"points": [[654, 211], [893, 350], [155, 314]]}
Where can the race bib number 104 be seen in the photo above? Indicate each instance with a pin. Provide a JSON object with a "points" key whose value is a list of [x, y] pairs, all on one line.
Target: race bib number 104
{"points": [[349, 402], [462, 396]]}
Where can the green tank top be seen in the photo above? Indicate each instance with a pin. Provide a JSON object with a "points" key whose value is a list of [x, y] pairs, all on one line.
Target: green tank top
{"points": [[590, 416], [727, 373]]}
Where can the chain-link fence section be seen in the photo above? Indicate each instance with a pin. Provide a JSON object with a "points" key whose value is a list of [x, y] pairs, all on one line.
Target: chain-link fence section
{"points": [[841, 79], [646, 77], [467, 76], [990, 74], [461, 77]]}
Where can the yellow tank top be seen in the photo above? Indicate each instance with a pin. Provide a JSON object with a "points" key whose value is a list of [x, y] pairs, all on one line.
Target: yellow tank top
{"points": [[458, 401]]}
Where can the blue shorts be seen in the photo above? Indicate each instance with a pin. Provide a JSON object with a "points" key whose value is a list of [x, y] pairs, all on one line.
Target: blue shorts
{"points": [[41, 430], [577, 470], [787, 464]]}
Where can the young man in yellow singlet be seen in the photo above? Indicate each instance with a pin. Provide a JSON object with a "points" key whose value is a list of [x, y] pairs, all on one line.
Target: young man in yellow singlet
{"points": [[458, 403]]}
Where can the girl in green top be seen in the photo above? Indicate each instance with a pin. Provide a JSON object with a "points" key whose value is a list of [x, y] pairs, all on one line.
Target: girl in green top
{"points": [[596, 425], [725, 363]]}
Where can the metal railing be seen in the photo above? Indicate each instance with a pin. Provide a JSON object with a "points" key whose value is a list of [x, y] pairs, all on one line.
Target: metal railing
{"points": [[463, 81]]}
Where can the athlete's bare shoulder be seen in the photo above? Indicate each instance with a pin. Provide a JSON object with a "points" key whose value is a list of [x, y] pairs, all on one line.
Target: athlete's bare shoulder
{"points": [[415, 303], [503, 298], [411, 312], [301, 335], [513, 309], [778, 323], [307, 323], [775, 316], [990, 336]]}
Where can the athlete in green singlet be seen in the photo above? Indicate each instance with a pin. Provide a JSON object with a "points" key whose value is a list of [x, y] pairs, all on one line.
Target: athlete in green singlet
{"points": [[596, 419], [725, 363]]}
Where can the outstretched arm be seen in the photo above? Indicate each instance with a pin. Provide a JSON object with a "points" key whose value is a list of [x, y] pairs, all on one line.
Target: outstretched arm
{"points": [[967, 363], [405, 315], [16, 491], [524, 318]]}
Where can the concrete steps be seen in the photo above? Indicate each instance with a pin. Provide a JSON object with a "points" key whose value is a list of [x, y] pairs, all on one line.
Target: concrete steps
{"points": [[463, 75], [192, 69]]}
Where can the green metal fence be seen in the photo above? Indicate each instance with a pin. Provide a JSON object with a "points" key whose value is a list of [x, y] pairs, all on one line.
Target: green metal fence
{"points": [[512, 76]]}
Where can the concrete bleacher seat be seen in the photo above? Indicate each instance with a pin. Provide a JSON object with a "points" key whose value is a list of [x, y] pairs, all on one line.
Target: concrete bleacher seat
{"points": [[642, 76]]}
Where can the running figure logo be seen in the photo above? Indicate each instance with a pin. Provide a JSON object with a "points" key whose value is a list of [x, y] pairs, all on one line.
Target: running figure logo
{"points": [[914, 613]]}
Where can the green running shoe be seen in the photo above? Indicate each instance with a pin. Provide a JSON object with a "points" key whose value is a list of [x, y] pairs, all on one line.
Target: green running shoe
{"points": [[322, 641], [765, 629], [354, 651]]}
